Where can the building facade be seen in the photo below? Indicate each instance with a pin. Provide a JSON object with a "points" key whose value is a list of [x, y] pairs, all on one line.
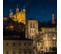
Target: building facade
{"points": [[17, 47], [47, 39], [31, 29]]}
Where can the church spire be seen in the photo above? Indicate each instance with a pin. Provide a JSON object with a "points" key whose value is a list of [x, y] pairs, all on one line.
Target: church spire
{"points": [[53, 22], [17, 9], [53, 17]]}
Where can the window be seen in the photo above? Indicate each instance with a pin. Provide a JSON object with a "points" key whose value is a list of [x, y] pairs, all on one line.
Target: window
{"points": [[52, 34], [7, 51], [19, 44], [54, 43], [29, 44], [33, 25], [7, 44], [13, 44], [38, 44], [30, 31], [25, 44], [25, 52], [34, 31], [19, 51], [29, 51], [13, 51], [30, 25]]}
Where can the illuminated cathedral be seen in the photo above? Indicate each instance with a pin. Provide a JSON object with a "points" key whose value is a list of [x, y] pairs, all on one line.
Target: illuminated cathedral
{"points": [[19, 16]]}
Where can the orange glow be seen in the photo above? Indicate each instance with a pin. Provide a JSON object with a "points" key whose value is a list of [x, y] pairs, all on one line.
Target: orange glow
{"points": [[21, 17]]}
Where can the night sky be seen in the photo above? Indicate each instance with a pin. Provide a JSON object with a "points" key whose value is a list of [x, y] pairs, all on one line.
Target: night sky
{"points": [[40, 9]]}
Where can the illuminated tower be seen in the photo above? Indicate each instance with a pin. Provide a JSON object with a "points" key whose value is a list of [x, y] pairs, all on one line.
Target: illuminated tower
{"points": [[53, 18], [31, 29]]}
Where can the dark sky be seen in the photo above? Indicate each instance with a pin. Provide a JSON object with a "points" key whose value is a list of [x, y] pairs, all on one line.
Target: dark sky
{"points": [[40, 9]]}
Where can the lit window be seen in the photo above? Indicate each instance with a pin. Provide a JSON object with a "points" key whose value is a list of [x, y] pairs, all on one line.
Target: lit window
{"points": [[30, 31], [34, 31], [38, 44], [31, 25]]}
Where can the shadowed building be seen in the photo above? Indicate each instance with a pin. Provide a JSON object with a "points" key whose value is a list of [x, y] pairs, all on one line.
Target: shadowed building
{"points": [[17, 46]]}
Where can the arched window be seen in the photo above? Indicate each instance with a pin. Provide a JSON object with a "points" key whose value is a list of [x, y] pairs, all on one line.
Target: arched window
{"points": [[14, 44]]}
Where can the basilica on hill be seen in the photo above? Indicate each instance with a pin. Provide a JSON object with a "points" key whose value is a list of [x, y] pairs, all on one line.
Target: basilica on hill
{"points": [[19, 15], [33, 40], [13, 21]]}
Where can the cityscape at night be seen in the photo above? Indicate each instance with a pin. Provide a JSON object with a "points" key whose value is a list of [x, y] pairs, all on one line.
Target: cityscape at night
{"points": [[29, 27]]}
